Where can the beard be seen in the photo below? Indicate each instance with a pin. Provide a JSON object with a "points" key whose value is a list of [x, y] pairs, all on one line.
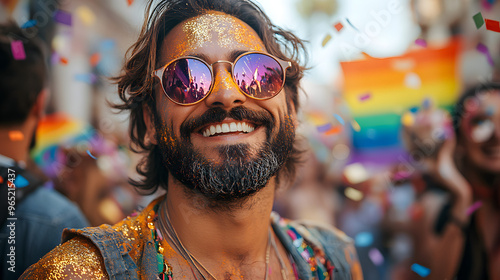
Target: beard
{"points": [[242, 170]]}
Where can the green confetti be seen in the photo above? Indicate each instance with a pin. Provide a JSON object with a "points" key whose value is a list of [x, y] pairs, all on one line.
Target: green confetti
{"points": [[478, 19]]}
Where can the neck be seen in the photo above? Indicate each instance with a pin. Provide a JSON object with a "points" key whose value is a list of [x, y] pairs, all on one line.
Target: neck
{"points": [[16, 148], [230, 236]]}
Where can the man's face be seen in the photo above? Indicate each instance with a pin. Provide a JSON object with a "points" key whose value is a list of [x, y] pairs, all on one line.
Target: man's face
{"points": [[226, 165], [481, 128]]}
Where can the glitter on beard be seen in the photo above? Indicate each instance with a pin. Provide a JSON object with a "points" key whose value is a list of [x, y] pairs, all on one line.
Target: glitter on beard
{"points": [[238, 175]]}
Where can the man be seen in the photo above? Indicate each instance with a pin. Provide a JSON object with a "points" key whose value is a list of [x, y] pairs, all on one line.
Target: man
{"points": [[220, 158], [32, 216]]}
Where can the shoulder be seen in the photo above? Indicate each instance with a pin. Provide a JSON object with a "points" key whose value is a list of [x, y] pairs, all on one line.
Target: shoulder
{"points": [[46, 205], [77, 258]]}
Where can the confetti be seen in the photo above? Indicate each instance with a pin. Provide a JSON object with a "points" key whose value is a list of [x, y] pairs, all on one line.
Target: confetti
{"points": [[94, 59], [363, 239], [17, 48], [63, 60], [353, 194], [339, 118], [351, 24], [86, 78], [88, 152], [63, 17], [129, 2], [492, 25], [482, 48], [29, 23], [421, 42], [376, 256], [327, 38], [20, 182], [334, 130], [355, 126], [365, 96], [478, 20], [16, 135], [1, 180], [420, 270], [338, 26], [473, 208], [412, 80], [86, 15], [324, 128]]}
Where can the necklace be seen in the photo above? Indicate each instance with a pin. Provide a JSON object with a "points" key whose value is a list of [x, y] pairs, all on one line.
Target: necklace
{"points": [[166, 226]]}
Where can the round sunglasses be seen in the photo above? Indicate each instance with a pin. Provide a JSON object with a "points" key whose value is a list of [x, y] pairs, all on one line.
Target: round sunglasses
{"points": [[188, 80]]}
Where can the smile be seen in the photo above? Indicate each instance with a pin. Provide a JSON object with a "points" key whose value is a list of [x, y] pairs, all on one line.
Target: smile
{"points": [[224, 128]]}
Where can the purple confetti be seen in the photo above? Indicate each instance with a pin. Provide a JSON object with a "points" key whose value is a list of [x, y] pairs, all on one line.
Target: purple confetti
{"points": [[484, 50], [376, 256], [63, 17], [421, 42], [365, 97], [473, 208], [17, 48], [324, 128], [86, 78]]}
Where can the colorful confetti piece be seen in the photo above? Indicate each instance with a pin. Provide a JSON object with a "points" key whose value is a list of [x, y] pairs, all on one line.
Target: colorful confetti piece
{"points": [[17, 48], [478, 20], [339, 119], [363, 239], [20, 182], [348, 21], [334, 130], [482, 48], [94, 59], [376, 256], [338, 26], [1, 180], [421, 42], [493, 25], [129, 2], [353, 194], [86, 15], [355, 126], [63, 60], [29, 23], [88, 152], [16, 135], [63, 17], [420, 270], [473, 207], [324, 128], [408, 119], [327, 39], [86, 78], [365, 96]]}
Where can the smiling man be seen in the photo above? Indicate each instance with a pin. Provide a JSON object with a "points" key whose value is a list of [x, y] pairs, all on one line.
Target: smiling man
{"points": [[212, 88]]}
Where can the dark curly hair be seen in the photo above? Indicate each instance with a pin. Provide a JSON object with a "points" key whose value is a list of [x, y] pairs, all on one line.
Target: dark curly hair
{"points": [[136, 84]]}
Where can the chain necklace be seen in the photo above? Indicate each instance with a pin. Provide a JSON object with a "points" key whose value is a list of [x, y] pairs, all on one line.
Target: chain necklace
{"points": [[166, 226]]}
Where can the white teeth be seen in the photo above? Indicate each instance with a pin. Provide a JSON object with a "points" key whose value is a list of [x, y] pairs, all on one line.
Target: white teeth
{"points": [[228, 127]]}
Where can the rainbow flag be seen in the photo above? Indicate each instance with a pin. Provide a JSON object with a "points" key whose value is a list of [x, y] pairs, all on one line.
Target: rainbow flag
{"points": [[379, 91]]}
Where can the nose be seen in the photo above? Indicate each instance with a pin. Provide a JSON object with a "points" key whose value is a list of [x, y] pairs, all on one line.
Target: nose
{"points": [[225, 92]]}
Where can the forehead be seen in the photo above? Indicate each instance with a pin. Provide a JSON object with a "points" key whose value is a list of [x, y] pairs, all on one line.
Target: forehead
{"points": [[213, 34]]}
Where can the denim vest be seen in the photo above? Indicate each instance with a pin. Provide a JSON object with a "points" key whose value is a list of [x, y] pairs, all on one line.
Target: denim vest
{"points": [[129, 252]]}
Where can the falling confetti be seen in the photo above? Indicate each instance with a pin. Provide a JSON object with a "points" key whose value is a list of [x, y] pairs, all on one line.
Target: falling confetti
{"points": [[324, 128], [408, 119], [88, 152], [16, 135], [86, 78], [421, 42], [473, 207], [484, 50], [376, 256], [29, 23], [1, 180], [364, 97], [420, 270], [334, 130], [348, 21], [20, 182], [353, 194], [94, 59], [63, 60], [86, 15], [17, 48], [478, 20], [327, 38], [339, 118], [355, 126], [338, 26], [363, 239], [129, 2], [63, 17], [493, 25]]}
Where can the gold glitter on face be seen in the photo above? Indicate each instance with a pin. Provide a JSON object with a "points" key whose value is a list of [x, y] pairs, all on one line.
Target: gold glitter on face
{"points": [[224, 82]]}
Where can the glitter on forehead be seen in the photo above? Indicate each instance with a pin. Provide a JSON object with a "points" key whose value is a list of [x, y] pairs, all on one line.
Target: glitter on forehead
{"points": [[225, 29]]}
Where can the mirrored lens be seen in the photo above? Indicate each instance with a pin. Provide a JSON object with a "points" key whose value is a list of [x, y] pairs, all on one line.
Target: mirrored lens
{"points": [[187, 80], [258, 75]]}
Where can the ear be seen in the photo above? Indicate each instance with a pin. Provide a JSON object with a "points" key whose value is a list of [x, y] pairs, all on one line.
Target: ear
{"points": [[38, 109], [150, 135]]}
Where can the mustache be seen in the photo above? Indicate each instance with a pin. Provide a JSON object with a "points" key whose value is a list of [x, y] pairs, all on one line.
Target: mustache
{"points": [[218, 114]]}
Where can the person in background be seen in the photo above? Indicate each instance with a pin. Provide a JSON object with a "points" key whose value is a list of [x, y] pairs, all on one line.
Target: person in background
{"points": [[459, 236], [32, 226]]}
